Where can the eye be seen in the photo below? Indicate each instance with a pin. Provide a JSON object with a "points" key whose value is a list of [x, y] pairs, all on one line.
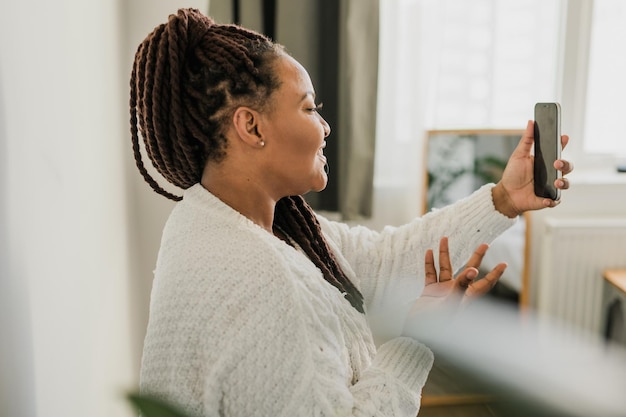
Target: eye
{"points": [[317, 107]]}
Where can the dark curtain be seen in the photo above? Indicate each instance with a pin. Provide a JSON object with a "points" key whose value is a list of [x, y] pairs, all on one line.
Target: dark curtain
{"points": [[327, 89], [337, 42]]}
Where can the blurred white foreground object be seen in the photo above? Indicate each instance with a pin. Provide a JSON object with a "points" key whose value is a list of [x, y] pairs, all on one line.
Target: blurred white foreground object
{"points": [[541, 360]]}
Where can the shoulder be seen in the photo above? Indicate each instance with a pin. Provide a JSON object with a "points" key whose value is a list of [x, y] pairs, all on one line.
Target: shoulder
{"points": [[220, 252], [220, 280], [209, 251], [202, 227]]}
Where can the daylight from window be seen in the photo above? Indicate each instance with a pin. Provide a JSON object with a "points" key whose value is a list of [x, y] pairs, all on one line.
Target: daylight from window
{"points": [[606, 87], [491, 61]]}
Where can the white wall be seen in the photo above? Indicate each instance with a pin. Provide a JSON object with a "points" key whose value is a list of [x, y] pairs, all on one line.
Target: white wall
{"points": [[16, 358], [72, 209], [65, 211]]}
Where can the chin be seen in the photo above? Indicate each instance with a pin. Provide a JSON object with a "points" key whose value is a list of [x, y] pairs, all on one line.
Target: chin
{"points": [[317, 183], [319, 187], [323, 184]]}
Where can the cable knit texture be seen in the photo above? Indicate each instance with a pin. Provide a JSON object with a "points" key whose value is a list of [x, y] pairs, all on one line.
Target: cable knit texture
{"points": [[242, 324]]}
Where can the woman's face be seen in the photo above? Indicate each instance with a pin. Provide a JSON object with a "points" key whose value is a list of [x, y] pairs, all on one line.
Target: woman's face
{"points": [[295, 133]]}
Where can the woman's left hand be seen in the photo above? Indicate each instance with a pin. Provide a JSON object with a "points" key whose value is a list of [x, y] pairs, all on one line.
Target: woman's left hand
{"points": [[515, 193], [441, 290]]}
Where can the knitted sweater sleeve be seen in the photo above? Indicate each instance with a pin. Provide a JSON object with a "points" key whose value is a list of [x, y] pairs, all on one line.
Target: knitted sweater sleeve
{"points": [[392, 385], [388, 266]]}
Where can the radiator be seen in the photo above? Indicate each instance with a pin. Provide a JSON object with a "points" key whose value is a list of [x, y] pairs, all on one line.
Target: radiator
{"points": [[574, 253]]}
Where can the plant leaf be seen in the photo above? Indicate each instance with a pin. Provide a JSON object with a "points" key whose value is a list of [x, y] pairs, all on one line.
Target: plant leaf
{"points": [[150, 406]]}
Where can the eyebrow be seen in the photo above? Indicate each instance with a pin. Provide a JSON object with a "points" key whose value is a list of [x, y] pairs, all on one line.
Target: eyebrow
{"points": [[308, 93]]}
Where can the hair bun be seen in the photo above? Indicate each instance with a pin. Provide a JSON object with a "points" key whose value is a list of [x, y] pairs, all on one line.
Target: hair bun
{"points": [[189, 26], [195, 15]]}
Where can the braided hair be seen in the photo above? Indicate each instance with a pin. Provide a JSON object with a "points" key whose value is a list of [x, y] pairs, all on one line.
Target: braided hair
{"points": [[189, 76]]}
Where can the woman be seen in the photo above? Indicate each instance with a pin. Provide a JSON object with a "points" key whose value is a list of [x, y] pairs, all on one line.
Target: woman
{"points": [[260, 307]]}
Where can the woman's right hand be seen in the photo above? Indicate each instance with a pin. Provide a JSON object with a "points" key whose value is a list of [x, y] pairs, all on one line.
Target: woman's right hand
{"points": [[514, 194]]}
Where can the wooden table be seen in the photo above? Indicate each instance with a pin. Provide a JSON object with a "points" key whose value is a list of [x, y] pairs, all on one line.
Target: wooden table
{"points": [[617, 278], [614, 306]]}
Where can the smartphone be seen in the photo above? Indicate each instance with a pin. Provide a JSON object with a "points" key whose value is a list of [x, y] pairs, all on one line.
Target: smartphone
{"points": [[547, 149]]}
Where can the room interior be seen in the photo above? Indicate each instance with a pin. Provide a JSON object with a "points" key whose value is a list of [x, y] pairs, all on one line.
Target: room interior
{"points": [[79, 230], [567, 251]]}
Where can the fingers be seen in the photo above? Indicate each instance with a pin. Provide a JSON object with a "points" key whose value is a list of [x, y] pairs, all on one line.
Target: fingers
{"points": [[471, 272], [564, 166], [431, 271], [527, 141], [462, 284], [485, 284], [445, 267], [562, 183], [549, 203], [564, 141], [465, 279], [477, 256]]}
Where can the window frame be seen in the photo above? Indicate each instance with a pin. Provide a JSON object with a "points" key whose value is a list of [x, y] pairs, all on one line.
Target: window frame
{"points": [[576, 43]]}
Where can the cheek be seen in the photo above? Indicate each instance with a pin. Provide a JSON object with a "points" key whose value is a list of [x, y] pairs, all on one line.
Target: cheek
{"points": [[301, 143], [305, 147]]}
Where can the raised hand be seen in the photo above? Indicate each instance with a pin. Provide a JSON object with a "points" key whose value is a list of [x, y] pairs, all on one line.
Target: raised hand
{"points": [[515, 194], [441, 289]]}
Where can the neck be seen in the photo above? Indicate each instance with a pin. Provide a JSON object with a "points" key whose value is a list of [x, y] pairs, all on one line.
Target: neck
{"points": [[242, 193]]}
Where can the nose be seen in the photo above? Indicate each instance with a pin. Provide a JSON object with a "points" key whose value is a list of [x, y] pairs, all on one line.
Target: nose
{"points": [[326, 127]]}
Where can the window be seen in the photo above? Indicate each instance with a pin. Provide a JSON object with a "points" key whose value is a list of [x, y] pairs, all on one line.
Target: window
{"points": [[606, 83], [491, 61]]}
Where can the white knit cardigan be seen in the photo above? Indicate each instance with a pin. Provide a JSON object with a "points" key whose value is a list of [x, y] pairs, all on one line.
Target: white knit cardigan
{"points": [[242, 324]]}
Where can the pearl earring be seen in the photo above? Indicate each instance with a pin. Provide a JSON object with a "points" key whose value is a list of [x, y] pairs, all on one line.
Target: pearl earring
{"points": [[262, 143]]}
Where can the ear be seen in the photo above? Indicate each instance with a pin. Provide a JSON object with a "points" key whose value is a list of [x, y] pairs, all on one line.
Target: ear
{"points": [[246, 123]]}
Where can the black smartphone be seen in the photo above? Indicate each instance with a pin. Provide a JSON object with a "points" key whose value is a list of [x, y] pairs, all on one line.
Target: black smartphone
{"points": [[547, 149]]}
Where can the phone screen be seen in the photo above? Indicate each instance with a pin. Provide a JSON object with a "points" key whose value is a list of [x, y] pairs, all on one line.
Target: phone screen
{"points": [[547, 149]]}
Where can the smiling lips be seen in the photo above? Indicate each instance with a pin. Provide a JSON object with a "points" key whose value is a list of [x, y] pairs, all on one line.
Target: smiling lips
{"points": [[320, 152]]}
